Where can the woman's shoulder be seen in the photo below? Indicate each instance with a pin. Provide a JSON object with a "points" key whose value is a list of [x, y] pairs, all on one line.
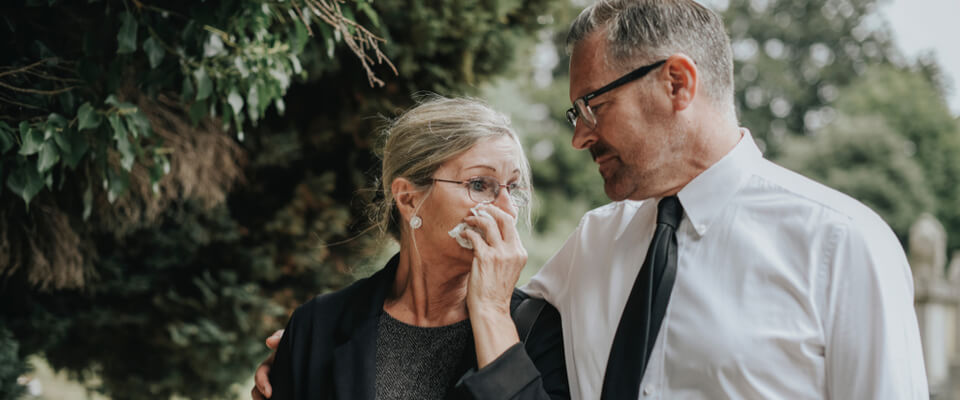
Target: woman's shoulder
{"points": [[324, 309]]}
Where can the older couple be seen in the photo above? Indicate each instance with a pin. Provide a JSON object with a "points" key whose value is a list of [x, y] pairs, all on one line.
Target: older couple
{"points": [[714, 273]]}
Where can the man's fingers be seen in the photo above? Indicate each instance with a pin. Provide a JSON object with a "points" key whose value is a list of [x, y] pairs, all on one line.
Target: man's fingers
{"points": [[262, 377], [274, 340]]}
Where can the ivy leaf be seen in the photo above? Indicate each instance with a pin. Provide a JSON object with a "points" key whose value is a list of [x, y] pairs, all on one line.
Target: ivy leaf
{"points": [[120, 105], [31, 138], [128, 155], [197, 111], [186, 90], [214, 46], [87, 117], [154, 50], [78, 147], [119, 129], [204, 84], [26, 182], [62, 139], [7, 139], [49, 156], [119, 182], [127, 36], [138, 124], [236, 102]]}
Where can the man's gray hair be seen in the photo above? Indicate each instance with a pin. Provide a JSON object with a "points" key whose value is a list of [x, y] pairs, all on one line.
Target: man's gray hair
{"points": [[643, 31]]}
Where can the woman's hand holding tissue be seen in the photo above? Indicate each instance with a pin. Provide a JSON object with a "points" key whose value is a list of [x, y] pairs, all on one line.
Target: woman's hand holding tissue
{"points": [[498, 258]]}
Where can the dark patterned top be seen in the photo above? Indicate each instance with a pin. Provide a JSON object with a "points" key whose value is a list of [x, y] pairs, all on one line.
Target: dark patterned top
{"points": [[415, 362]]}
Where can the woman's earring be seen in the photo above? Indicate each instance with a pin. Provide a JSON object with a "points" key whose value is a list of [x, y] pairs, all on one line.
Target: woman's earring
{"points": [[416, 222]]}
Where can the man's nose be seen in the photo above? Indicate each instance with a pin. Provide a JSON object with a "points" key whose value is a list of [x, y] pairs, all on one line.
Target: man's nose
{"points": [[583, 136]]}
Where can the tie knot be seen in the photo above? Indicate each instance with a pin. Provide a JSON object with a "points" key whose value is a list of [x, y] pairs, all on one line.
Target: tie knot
{"points": [[669, 211]]}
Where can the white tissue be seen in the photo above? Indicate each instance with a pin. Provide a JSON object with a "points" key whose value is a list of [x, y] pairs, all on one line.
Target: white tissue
{"points": [[457, 230]]}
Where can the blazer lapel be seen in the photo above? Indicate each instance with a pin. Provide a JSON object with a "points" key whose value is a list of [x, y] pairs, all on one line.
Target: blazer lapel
{"points": [[355, 359], [355, 364]]}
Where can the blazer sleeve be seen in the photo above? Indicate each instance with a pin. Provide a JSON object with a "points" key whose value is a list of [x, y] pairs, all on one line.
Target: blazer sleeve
{"points": [[531, 370], [282, 371]]}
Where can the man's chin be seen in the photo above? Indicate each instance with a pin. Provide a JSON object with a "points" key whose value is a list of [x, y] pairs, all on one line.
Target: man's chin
{"points": [[614, 191]]}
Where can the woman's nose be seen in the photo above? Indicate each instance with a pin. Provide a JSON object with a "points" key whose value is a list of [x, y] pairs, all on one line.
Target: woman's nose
{"points": [[505, 203]]}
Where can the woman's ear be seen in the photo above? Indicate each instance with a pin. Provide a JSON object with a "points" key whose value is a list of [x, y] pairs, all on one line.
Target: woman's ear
{"points": [[406, 197], [683, 79]]}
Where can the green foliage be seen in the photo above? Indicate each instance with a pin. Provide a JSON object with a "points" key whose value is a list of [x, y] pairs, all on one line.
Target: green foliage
{"points": [[909, 104], [231, 60], [792, 59], [182, 288], [866, 159], [12, 366]]}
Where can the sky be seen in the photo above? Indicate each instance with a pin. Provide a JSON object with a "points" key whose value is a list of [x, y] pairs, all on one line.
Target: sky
{"points": [[929, 25]]}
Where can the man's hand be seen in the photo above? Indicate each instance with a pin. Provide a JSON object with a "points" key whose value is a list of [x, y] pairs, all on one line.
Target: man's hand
{"points": [[261, 379]]}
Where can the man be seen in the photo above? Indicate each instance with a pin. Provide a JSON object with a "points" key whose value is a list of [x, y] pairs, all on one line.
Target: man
{"points": [[715, 273]]}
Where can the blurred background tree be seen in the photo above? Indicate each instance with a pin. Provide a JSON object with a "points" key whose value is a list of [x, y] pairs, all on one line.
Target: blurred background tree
{"points": [[171, 178], [173, 171]]}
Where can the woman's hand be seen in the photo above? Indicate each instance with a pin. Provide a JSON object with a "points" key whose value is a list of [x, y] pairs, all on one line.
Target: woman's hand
{"points": [[498, 258]]}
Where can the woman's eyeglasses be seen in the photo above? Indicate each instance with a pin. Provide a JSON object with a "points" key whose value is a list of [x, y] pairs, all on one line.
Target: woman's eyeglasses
{"points": [[485, 189]]}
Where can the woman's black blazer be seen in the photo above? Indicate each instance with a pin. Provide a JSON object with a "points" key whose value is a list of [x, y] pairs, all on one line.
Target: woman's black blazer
{"points": [[328, 351]]}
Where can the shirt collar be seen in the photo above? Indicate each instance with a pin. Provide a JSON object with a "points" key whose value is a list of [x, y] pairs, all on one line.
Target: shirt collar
{"points": [[707, 194]]}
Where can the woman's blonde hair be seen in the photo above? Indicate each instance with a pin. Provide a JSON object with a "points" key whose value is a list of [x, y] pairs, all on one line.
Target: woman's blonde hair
{"points": [[434, 131]]}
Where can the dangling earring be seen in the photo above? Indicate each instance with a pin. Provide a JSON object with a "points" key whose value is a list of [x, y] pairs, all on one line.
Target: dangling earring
{"points": [[416, 222]]}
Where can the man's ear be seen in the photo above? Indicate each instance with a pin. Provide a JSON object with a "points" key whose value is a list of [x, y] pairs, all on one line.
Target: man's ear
{"points": [[682, 79], [406, 197]]}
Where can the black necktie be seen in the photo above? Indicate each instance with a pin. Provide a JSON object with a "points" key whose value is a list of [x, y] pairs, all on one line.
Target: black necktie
{"points": [[641, 318]]}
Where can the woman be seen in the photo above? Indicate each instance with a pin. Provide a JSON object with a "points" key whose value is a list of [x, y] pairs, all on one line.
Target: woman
{"points": [[435, 322]]}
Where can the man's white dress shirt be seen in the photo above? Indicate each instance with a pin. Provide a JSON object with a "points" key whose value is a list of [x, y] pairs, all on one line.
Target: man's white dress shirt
{"points": [[785, 289]]}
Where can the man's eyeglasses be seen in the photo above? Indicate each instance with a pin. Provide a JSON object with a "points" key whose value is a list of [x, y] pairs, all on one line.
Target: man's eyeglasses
{"points": [[581, 107], [485, 189]]}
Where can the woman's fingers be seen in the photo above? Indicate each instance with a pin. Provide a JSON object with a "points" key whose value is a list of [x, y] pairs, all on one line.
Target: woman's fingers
{"points": [[506, 223]]}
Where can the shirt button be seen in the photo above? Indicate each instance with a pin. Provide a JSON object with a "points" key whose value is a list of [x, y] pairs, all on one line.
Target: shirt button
{"points": [[647, 390]]}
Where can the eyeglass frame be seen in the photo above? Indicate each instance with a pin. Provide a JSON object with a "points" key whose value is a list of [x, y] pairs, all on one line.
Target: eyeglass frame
{"points": [[573, 113], [496, 193]]}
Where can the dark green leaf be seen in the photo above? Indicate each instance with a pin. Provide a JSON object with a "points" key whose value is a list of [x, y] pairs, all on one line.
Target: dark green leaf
{"points": [[127, 36], [119, 129], [87, 117], [197, 111], [118, 184], [187, 91], [62, 139], [49, 156], [31, 139], [121, 105], [204, 84], [78, 147], [128, 155], [26, 182], [138, 124], [236, 102], [7, 139], [154, 50]]}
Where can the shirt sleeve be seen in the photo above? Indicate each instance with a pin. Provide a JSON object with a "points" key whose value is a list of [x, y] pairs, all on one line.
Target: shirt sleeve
{"points": [[873, 346], [551, 281]]}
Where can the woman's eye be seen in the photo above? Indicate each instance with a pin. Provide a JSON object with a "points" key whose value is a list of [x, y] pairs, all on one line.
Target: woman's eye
{"points": [[478, 185]]}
